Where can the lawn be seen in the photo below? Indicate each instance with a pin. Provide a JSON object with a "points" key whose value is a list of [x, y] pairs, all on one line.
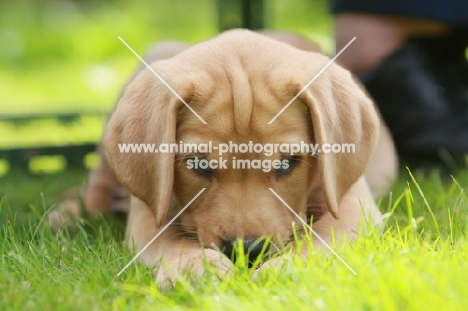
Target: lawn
{"points": [[418, 262], [62, 56]]}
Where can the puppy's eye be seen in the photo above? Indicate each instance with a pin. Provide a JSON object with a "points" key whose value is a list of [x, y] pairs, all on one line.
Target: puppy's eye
{"points": [[200, 166], [287, 166], [205, 172]]}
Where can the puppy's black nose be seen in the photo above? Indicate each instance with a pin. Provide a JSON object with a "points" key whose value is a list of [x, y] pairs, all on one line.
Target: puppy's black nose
{"points": [[252, 248]]}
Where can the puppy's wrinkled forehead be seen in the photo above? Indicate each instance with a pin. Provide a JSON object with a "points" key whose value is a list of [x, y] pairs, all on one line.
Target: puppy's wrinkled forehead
{"points": [[240, 82], [233, 85]]}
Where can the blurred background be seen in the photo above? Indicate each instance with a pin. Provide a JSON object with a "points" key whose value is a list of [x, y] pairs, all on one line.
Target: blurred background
{"points": [[62, 68]]}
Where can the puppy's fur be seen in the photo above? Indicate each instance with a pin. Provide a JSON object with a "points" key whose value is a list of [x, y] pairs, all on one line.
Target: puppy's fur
{"points": [[237, 82]]}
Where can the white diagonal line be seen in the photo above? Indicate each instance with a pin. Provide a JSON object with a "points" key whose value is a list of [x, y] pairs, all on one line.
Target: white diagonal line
{"points": [[159, 233], [162, 80], [314, 233], [313, 79]]}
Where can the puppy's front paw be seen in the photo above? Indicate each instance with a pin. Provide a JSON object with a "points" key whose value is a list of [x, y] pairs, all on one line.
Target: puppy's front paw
{"points": [[272, 264], [192, 265], [294, 253]]}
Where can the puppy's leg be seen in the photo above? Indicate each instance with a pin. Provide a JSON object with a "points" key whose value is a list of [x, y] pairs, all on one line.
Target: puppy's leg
{"points": [[383, 166], [102, 188], [99, 196], [172, 253], [357, 210]]}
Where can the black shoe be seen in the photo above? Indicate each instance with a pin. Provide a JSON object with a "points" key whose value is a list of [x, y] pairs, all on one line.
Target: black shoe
{"points": [[422, 92]]}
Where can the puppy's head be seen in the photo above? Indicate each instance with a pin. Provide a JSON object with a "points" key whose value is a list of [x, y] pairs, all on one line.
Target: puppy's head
{"points": [[237, 82]]}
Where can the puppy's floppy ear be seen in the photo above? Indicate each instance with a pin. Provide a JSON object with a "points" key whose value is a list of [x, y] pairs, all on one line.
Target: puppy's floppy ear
{"points": [[146, 114], [341, 113]]}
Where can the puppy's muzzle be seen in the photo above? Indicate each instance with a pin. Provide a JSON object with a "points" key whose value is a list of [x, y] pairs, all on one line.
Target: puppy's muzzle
{"points": [[253, 247]]}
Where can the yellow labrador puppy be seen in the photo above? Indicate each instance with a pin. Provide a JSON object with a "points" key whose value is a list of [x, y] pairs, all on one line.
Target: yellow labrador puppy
{"points": [[237, 83]]}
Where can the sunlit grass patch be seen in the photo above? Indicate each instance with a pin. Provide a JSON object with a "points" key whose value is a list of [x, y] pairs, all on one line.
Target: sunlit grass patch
{"points": [[416, 262], [4, 167], [47, 164], [51, 132]]}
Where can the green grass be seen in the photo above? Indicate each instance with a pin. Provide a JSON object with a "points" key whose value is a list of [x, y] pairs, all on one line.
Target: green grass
{"points": [[419, 262]]}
